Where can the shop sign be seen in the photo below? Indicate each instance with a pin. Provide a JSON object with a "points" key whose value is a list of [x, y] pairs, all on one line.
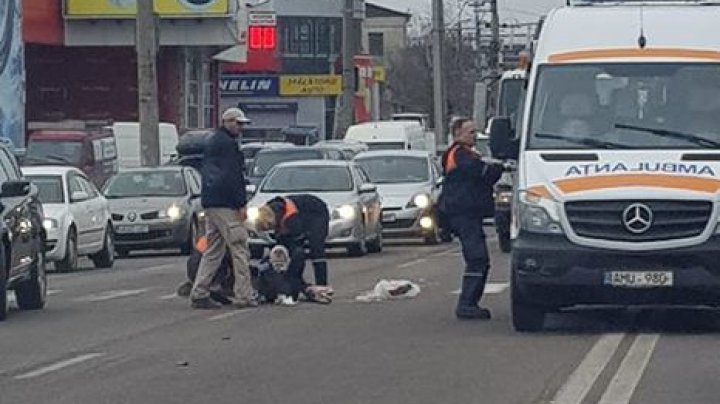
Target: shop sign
{"points": [[311, 85], [128, 8], [249, 86]]}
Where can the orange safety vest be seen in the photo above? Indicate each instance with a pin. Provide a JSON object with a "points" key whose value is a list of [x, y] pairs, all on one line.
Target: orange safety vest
{"points": [[289, 211], [201, 244], [451, 162]]}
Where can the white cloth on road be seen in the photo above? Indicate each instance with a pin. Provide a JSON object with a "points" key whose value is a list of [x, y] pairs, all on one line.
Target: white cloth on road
{"points": [[390, 290]]}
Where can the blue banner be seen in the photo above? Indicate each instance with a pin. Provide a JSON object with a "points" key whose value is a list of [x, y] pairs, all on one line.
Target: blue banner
{"points": [[249, 86]]}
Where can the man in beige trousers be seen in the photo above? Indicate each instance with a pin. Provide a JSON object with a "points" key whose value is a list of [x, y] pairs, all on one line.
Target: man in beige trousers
{"points": [[224, 200]]}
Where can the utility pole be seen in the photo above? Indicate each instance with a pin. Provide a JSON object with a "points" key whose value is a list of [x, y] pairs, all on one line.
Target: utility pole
{"points": [[494, 59], [146, 43], [439, 101], [345, 111], [478, 33]]}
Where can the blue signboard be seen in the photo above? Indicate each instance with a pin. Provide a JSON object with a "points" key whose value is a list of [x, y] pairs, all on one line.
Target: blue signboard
{"points": [[249, 86]]}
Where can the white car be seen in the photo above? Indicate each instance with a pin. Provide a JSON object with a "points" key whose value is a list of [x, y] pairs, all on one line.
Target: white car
{"points": [[408, 183], [77, 217]]}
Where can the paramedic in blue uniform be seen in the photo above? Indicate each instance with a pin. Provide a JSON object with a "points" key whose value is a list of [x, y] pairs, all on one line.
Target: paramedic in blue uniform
{"points": [[466, 199], [299, 221]]}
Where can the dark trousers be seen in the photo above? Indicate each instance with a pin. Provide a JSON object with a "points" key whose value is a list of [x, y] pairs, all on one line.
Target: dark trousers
{"points": [[315, 236], [474, 248]]}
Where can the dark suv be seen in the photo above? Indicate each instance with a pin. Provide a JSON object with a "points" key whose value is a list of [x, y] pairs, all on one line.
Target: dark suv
{"points": [[22, 239]]}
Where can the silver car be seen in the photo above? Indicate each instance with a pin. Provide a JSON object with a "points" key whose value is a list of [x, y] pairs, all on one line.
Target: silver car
{"points": [[352, 199], [154, 208], [408, 182]]}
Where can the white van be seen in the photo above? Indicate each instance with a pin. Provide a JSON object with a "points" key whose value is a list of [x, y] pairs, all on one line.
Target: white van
{"points": [[618, 196], [389, 135], [127, 138]]}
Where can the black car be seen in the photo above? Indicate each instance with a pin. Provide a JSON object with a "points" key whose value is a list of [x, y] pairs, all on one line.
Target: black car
{"points": [[22, 250]]}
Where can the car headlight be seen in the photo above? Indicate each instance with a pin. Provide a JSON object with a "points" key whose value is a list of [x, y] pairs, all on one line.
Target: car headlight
{"points": [[504, 197], [253, 213], [346, 212], [50, 224], [538, 214], [173, 213], [422, 201]]}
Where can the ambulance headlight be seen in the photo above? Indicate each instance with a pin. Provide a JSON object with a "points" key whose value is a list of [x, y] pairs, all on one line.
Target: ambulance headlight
{"points": [[538, 214]]}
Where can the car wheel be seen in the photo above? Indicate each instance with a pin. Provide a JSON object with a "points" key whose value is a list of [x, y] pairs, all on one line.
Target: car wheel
{"points": [[376, 246], [32, 294], [526, 317], [70, 261], [106, 257], [192, 237], [3, 284], [360, 248]]}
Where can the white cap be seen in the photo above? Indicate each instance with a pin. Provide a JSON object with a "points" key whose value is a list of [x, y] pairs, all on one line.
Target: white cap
{"points": [[236, 114]]}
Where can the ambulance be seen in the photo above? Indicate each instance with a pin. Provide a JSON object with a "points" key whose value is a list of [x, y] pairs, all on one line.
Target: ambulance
{"points": [[618, 148]]}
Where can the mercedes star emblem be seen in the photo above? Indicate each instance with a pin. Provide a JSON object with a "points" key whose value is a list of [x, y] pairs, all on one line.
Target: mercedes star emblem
{"points": [[132, 216], [637, 218]]}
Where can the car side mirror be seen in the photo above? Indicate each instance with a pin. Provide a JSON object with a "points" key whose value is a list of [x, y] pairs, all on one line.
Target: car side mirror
{"points": [[502, 144], [368, 188], [439, 182], [251, 188], [14, 189], [79, 196]]}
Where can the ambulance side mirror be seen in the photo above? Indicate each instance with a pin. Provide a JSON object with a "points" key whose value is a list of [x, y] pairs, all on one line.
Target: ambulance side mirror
{"points": [[502, 144]]}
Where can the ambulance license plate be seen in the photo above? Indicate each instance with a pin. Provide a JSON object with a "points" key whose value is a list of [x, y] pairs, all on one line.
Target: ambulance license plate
{"points": [[639, 279]]}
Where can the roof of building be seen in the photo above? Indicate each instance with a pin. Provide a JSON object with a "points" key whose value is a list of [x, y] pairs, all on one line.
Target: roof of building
{"points": [[375, 10]]}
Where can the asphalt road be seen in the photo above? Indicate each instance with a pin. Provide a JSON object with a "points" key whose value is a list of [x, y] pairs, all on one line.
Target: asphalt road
{"points": [[121, 336]]}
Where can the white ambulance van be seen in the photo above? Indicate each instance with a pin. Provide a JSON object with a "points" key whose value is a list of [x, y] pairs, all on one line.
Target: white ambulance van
{"points": [[618, 187], [389, 135]]}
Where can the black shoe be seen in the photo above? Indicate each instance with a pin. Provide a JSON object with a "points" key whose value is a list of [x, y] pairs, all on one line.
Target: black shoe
{"points": [[184, 289], [205, 304], [472, 313], [220, 298]]}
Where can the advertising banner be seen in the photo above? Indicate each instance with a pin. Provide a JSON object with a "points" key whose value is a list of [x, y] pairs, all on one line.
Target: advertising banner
{"points": [[12, 75], [311, 85], [128, 8], [249, 86]]}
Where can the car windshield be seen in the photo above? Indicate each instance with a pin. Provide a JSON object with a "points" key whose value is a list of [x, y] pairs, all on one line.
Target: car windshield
{"points": [[626, 106], [249, 152], [67, 152], [309, 179], [386, 146], [50, 188], [395, 170], [146, 183], [267, 160]]}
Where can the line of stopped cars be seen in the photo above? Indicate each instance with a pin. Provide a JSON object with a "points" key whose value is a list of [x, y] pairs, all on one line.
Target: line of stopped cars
{"points": [[56, 214]]}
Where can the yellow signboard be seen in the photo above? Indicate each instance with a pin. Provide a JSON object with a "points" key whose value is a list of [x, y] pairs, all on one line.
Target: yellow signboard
{"points": [[128, 8], [316, 84], [379, 74]]}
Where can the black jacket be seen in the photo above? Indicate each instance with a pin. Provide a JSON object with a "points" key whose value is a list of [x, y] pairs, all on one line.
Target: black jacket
{"points": [[468, 183], [223, 172], [312, 214]]}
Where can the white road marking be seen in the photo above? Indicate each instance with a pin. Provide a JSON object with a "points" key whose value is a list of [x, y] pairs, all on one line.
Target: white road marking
{"points": [[631, 369], [451, 251], [228, 315], [585, 375], [111, 294], [59, 365], [490, 289], [168, 297], [159, 268], [412, 263], [52, 292]]}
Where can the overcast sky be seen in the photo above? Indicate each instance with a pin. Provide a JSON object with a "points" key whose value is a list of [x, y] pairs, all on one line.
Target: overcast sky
{"points": [[524, 10]]}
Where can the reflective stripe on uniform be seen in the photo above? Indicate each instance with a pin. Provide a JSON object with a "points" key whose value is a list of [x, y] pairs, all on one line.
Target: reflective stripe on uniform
{"points": [[289, 211]]}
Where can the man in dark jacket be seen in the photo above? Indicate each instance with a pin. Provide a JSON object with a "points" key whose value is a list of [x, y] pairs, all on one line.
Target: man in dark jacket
{"points": [[466, 199], [299, 220], [224, 199]]}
